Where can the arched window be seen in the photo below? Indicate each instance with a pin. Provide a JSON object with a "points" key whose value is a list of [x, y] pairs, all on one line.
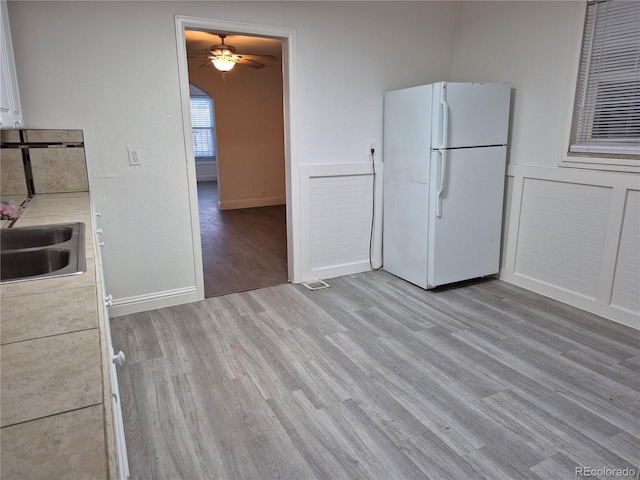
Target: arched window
{"points": [[202, 123]]}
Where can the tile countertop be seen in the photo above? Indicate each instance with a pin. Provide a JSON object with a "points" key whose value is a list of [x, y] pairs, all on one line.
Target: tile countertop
{"points": [[52, 351]]}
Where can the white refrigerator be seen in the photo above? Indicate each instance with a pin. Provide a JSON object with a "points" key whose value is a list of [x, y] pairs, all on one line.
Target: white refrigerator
{"points": [[445, 149]]}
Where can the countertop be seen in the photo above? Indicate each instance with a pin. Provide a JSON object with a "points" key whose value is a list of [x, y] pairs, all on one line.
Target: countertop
{"points": [[54, 417]]}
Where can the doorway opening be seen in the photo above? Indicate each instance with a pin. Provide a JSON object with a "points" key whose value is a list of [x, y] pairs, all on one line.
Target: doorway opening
{"points": [[240, 169], [242, 249]]}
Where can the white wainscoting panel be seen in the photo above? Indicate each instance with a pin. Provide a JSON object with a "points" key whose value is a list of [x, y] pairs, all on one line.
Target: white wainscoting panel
{"points": [[337, 205], [562, 233], [575, 236], [508, 202], [206, 170], [626, 282], [340, 208]]}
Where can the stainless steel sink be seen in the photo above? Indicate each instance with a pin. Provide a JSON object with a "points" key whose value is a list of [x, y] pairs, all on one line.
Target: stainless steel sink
{"points": [[28, 253], [29, 237], [31, 263]]}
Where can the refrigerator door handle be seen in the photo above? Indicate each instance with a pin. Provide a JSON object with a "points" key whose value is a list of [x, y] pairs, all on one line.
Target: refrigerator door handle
{"points": [[442, 150], [441, 185], [445, 115]]}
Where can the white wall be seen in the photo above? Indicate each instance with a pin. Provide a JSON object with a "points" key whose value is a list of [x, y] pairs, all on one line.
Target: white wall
{"points": [[532, 46], [571, 234], [110, 69]]}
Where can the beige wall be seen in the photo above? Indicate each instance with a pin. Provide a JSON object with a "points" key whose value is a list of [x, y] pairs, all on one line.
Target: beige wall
{"points": [[249, 131]]}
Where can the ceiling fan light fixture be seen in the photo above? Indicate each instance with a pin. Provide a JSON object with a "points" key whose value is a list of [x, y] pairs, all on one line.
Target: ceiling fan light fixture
{"points": [[224, 63]]}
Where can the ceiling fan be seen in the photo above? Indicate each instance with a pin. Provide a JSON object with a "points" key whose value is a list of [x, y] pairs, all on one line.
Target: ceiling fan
{"points": [[224, 57]]}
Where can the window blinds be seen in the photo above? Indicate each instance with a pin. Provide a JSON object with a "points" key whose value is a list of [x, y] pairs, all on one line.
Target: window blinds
{"points": [[607, 111], [202, 124]]}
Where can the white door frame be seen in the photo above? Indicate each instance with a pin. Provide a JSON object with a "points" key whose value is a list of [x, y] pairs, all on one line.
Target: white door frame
{"points": [[290, 151]]}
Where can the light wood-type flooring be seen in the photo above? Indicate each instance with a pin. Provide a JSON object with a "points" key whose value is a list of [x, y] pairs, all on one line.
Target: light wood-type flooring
{"points": [[374, 378], [242, 249]]}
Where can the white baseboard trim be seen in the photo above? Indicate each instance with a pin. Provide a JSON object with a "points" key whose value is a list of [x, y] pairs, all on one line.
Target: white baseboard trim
{"points": [[252, 202], [152, 301], [337, 271], [607, 311]]}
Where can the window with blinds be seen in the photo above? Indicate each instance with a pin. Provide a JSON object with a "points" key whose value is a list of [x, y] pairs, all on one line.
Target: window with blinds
{"points": [[202, 125], [606, 118]]}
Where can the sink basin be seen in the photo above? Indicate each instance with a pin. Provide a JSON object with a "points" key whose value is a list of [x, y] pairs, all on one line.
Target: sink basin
{"points": [[32, 263], [44, 251], [29, 237]]}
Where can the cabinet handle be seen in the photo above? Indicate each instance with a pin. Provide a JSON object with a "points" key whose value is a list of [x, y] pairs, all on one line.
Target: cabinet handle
{"points": [[108, 301], [118, 358]]}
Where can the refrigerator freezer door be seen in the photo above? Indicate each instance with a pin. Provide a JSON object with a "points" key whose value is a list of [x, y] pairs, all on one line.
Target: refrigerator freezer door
{"points": [[477, 114], [464, 241], [407, 123]]}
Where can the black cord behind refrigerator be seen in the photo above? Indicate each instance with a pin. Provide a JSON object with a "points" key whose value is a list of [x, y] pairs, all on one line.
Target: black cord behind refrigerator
{"points": [[373, 213]]}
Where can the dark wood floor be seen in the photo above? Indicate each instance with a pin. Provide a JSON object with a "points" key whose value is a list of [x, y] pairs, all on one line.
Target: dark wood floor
{"points": [[374, 378], [242, 249]]}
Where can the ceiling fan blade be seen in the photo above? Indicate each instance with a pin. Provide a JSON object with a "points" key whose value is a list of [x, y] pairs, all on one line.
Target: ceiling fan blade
{"points": [[261, 58], [250, 63]]}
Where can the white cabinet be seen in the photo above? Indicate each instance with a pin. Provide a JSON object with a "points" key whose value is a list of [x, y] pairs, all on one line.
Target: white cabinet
{"points": [[121, 445], [114, 358], [10, 109]]}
